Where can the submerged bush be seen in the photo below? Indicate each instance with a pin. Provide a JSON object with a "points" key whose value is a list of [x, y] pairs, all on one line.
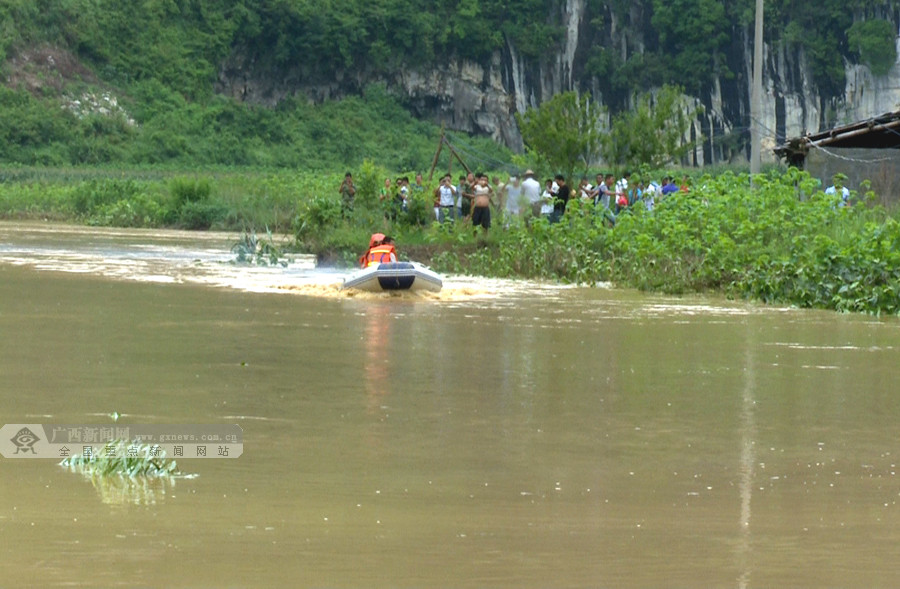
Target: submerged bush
{"points": [[200, 214], [127, 459], [260, 251]]}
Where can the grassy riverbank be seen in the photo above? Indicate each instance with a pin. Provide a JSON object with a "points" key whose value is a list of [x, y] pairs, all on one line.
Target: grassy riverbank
{"points": [[783, 241], [216, 198]]}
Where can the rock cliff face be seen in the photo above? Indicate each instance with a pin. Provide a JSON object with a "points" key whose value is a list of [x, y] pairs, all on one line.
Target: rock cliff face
{"points": [[793, 106], [482, 98]]}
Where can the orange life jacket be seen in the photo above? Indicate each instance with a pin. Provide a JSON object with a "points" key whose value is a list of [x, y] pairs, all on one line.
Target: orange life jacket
{"points": [[381, 253]]}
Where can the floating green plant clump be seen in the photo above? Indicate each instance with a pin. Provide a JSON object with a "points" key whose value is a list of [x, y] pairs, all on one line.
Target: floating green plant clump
{"points": [[126, 459], [261, 251], [127, 472]]}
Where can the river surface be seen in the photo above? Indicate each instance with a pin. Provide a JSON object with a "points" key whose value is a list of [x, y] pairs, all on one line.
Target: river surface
{"points": [[500, 434]]}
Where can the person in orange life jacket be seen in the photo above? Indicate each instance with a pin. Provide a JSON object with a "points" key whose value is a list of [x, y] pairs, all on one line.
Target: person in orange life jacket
{"points": [[383, 252], [375, 240]]}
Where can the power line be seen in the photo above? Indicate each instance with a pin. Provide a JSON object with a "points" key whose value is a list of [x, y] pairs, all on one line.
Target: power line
{"points": [[469, 149], [472, 153], [853, 159]]}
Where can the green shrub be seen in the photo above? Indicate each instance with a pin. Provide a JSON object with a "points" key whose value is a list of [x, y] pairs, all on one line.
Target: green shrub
{"points": [[89, 196], [189, 190], [317, 214], [129, 459], [140, 211], [200, 214]]}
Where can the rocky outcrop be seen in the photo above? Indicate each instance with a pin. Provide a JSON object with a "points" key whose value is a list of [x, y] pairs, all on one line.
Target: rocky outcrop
{"points": [[482, 98], [466, 97], [867, 95]]}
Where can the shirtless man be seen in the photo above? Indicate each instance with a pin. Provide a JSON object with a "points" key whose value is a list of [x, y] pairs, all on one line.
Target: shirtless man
{"points": [[481, 211], [468, 195]]}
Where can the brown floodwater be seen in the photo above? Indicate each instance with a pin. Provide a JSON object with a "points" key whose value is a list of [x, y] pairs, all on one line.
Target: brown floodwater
{"points": [[502, 434]]}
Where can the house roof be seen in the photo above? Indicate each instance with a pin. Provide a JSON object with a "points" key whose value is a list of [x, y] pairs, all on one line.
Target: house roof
{"points": [[881, 132]]}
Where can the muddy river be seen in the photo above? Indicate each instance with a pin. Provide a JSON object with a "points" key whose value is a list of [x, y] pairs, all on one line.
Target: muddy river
{"points": [[498, 434]]}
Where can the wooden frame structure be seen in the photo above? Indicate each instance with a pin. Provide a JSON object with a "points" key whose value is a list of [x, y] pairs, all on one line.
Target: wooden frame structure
{"points": [[441, 143]]}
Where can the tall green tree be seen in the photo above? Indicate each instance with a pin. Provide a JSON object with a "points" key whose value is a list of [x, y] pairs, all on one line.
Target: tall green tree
{"points": [[694, 36], [564, 131], [873, 41], [653, 132]]}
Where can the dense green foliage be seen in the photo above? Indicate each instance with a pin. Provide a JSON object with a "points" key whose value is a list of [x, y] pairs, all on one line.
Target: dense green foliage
{"points": [[782, 241], [163, 61], [695, 34], [652, 133], [170, 130], [873, 41], [564, 131], [567, 132], [242, 200]]}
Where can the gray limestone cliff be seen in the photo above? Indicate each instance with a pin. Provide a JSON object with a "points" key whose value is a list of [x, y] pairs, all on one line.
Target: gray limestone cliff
{"points": [[482, 98]]}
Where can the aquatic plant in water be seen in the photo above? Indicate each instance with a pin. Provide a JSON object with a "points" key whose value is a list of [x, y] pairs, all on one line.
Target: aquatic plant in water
{"points": [[127, 472], [125, 459], [260, 251]]}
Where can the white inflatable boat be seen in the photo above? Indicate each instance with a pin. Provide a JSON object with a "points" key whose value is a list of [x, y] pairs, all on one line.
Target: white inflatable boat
{"points": [[395, 276]]}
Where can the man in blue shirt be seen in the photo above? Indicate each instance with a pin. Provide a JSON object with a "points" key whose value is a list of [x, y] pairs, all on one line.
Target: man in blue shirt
{"points": [[668, 187]]}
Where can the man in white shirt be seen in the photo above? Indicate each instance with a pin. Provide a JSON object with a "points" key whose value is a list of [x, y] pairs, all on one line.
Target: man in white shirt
{"points": [[622, 191], [513, 197], [531, 192], [445, 194], [839, 188], [650, 194]]}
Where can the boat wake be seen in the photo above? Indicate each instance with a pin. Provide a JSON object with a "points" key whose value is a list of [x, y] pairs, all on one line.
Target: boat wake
{"points": [[204, 258]]}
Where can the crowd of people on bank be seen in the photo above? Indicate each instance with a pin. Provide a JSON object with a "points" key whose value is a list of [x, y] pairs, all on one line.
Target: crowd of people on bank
{"points": [[473, 197]]}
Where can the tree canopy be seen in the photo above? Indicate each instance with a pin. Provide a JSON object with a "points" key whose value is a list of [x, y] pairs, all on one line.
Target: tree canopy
{"points": [[653, 133], [167, 58], [564, 131]]}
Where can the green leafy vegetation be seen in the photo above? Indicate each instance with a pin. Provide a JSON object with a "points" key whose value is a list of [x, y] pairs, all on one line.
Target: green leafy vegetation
{"points": [[172, 132], [259, 251], [97, 81], [125, 459], [568, 131], [652, 133], [131, 473], [874, 42], [228, 198], [564, 132], [695, 35]]}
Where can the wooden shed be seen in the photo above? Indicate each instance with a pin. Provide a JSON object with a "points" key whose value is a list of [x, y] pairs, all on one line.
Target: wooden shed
{"points": [[866, 150]]}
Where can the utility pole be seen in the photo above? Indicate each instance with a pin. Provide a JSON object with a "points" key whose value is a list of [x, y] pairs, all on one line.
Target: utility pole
{"points": [[756, 93]]}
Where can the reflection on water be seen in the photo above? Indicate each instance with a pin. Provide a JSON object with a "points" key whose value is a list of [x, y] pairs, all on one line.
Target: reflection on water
{"points": [[747, 470], [510, 434], [377, 343], [119, 490]]}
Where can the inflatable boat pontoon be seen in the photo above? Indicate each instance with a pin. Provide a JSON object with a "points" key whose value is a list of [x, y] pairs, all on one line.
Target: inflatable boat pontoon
{"points": [[395, 276]]}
